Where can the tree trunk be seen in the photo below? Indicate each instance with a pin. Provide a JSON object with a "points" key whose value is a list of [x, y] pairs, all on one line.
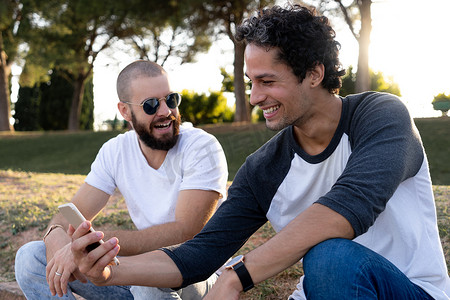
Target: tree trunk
{"points": [[77, 101], [362, 75], [5, 102], [242, 113]]}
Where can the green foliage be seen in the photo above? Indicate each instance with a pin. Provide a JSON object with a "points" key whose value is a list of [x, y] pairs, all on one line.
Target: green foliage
{"points": [[378, 83], [162, 30], [56, 96], [442, 102], [227, 81], [204, 109], [87, 108], [240, 143], [13, 24], [27, 109], [116, 124], [68, 35], [441, 98], [46, 106]]}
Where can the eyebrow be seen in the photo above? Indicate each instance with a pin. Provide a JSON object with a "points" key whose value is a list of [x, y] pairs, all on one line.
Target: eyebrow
{"points": [[262, 75]]}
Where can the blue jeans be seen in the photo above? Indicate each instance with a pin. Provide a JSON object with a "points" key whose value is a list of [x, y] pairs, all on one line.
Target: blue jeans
{"points": [[30, 275], [343, 269]]}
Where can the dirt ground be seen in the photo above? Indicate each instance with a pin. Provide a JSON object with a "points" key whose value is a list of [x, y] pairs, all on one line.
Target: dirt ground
{"points": [[279, 287]]}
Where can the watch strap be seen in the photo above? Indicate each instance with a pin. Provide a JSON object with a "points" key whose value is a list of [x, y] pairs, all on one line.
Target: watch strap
{"points": [[244, 276]]}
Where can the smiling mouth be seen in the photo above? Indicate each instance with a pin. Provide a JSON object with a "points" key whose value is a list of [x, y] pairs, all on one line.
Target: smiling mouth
{"points": [[164, 125], [271, 109]]}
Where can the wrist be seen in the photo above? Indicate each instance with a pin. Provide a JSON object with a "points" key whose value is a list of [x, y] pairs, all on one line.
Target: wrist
{"points": [[237, 266], [51, 229], [231, 280]]}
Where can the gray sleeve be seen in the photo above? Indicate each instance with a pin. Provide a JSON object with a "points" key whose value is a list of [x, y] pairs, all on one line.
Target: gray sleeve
{"points": [[249, 199], [225, 233], [386, 150]]}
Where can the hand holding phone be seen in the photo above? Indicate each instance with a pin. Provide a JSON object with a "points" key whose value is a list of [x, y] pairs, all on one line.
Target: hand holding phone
{"points": [[75, 218]]}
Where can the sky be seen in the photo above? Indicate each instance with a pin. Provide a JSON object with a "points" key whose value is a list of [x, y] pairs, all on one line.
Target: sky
{"points": [[410, 41]]}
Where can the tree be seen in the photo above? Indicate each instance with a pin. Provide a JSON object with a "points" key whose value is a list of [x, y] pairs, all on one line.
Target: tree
{"points": [[442, 102], [11, 23], [27, 109], [55, 98], [226, 16], [87, 108], [357, 15], [45, 106], [204, 109], [69, 35], [170, 29], [378, 82]]}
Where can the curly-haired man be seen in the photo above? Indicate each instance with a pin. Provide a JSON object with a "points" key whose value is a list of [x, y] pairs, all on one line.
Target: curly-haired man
{"points": [[345, 184]]}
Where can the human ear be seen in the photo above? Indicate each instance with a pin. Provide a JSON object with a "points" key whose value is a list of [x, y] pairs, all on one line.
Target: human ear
{"points": [[124, 111], [316, 75]]}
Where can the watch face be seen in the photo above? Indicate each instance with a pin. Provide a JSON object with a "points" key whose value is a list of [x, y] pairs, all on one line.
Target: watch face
{"points": [[235, 260]]}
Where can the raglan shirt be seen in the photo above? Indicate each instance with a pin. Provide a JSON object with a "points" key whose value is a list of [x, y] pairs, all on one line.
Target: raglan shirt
{"points": [[374, 172], [197, 161]]}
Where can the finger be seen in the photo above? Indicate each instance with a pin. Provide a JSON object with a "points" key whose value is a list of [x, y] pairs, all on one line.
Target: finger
{"points": [[79, 245], [71, 230], [105, 254], [50, 280], [51, 286], [55, 284], [64, 280], [103, 267], [84, 259], [81, 230], [48, 269]]}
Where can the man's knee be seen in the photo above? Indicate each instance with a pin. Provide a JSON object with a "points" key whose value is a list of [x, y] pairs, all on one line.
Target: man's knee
{"points": [[30, 259], [331, 257], [328, 250]]}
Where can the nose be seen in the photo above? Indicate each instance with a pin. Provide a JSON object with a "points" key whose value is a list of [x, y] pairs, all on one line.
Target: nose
{"points": [[163, 109], [256, 95]]}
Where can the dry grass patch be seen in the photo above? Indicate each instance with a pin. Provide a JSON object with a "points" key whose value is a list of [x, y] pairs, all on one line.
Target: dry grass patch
{"points": [[28, 201]]}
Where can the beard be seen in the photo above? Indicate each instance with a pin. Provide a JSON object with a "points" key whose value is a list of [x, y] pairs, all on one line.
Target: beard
{"points": [[166, 142]]}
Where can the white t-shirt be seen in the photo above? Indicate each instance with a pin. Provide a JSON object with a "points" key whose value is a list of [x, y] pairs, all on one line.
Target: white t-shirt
{"points": [[197, 161]]}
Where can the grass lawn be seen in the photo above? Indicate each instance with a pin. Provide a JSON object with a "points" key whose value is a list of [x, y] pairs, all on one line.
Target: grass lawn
{"points": [[28, 201], [39, 171], [73, 153]]}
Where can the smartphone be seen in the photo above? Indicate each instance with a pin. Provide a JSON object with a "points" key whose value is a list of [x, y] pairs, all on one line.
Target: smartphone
{"points": [[75, 218]]}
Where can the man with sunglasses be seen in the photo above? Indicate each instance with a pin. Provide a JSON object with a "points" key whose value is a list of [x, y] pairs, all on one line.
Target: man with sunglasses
{"points": [[171, 176]]}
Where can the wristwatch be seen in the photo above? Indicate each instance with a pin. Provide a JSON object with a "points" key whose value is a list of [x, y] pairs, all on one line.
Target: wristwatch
{"points": [[237, 264]]}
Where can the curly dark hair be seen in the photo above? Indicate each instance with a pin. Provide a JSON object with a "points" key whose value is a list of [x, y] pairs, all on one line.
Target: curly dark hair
{"points": [[304, 40]]}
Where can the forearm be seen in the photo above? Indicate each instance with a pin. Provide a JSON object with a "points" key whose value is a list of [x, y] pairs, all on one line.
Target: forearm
{"points": [[148, 269], [58, 237], [193, 210], [318, 223], [152, 238]]}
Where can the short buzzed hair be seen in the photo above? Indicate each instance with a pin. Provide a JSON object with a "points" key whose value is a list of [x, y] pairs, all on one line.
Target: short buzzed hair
{"points": [[139, 68]]}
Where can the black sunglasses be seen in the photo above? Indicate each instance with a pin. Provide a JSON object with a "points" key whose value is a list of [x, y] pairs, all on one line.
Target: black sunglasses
{"points": [[151, 105]]}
